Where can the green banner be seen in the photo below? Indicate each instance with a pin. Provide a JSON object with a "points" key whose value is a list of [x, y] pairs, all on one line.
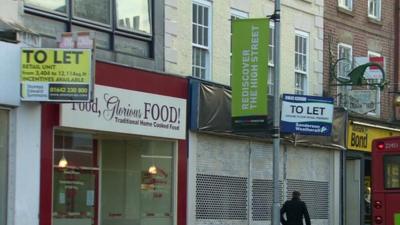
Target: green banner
{"points": [[397, 219], [250, 38]]}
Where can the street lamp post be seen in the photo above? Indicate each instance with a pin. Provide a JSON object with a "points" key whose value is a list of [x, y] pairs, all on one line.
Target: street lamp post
{"points": [[276, 128]]}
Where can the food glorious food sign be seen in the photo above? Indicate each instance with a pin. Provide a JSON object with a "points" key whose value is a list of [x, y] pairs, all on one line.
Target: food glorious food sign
{"points": [[127, 111]]}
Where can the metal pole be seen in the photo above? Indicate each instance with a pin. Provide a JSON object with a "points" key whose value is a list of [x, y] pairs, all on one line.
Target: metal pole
{"points": [[277, 107]]}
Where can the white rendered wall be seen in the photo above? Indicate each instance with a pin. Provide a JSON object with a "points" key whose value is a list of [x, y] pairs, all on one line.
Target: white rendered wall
{"points": [[24, 141], [9, 10], [24, 165]]}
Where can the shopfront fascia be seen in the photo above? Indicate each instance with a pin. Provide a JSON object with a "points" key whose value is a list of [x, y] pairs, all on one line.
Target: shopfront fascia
{"points": [[121, 159], [360, 135]]}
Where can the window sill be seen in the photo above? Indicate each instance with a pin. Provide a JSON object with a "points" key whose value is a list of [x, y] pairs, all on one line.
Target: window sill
{"points": [[307, 1], [375, 20], [346, 11]]}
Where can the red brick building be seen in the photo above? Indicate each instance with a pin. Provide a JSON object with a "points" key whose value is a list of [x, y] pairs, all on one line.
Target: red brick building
{"points": [[354, 29]]}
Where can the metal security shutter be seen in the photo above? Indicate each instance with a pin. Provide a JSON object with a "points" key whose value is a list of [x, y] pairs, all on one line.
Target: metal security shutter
{"points": [[262, 184], [262, 199], [221, 197], [314, 193]]}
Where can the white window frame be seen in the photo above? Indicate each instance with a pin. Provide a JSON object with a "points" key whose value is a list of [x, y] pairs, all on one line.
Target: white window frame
{"points": [[343, 89], [207, 4], [343, 45], [305, 73], [377, 112], [374, 9], [346, 4], [239, 14]]}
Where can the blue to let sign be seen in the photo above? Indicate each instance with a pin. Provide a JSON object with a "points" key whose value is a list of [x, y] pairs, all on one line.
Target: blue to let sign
{"points": [[308, 115]]}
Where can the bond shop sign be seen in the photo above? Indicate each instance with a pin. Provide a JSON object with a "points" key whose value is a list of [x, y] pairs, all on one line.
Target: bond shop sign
{"points": [[126, 111], [56, 75], [360, 137]]}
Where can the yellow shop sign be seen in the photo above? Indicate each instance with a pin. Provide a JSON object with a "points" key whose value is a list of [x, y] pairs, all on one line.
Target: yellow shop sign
{"points": [[359, 136]]}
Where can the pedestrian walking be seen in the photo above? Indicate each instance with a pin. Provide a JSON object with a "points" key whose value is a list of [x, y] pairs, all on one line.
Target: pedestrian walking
{"points": [[295, 210]]}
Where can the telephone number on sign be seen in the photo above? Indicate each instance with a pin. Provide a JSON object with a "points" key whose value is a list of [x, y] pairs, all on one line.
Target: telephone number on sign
{"points": [[68, 90]]}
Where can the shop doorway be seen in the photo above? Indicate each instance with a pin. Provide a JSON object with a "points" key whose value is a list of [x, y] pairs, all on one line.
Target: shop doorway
{"points": [[113, 179], [353, 192], [367, 193]]}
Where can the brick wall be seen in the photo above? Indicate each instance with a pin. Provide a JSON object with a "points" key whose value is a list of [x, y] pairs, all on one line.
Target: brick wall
{"points": [[363, 34]]}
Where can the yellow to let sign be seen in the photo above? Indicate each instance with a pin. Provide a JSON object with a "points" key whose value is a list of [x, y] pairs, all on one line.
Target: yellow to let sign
{"points": [[56, 65], [56, 74], [360, 137]]}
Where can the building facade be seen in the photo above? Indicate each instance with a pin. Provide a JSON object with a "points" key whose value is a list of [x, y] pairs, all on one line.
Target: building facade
{"points": [[353, 31], [120, 159], [230, 176], [202, 48]]}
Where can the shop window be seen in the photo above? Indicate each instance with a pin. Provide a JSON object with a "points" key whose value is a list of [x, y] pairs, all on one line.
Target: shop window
{"points": [[75, 175], [136, 186], [111, 20], [3, 164], [131, 182]]}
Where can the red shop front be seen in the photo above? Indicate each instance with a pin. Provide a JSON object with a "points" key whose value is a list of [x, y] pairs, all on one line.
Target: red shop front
{"points": [[121, 159]]}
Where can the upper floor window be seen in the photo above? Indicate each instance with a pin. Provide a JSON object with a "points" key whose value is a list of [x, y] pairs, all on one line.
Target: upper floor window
{"points": [[344, 66], [201, 35], [117, 23], [374, 9], [301, 62], [347, 4], [376, 89], [237, 14], [345, 56]]}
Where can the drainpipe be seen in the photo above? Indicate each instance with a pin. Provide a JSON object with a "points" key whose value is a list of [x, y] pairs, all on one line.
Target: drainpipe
{"points": [[396, 74]]}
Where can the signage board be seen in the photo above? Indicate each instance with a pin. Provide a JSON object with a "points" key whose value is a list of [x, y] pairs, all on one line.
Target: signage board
{"points": [[362, 101], [249, 73], [397, 218], [360, 137], [130, 112], [56, 75], [81, 39], [372, 72], [308, 115]]}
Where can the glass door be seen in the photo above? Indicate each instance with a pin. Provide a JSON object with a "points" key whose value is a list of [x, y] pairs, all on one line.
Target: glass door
{"points": [[75, 179]]}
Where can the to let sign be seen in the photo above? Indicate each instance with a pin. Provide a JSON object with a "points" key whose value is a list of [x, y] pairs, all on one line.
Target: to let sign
{"points": [[308, 115], [56, 75]]}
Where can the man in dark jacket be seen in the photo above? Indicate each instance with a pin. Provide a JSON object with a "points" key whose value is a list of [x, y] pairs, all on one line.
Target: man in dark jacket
{"points": [[295, 209]]}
